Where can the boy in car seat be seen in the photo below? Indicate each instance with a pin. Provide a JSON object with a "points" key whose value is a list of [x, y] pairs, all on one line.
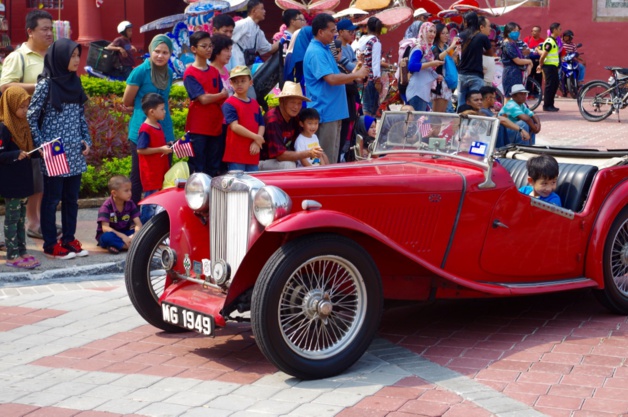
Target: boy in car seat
{"points": [[542, 178]]}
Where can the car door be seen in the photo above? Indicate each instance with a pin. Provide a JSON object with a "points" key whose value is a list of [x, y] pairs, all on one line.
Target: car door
{"points": [[532, 239]]}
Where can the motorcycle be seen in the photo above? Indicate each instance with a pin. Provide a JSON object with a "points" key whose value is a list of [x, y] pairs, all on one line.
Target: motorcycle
{"points": [[569, 72]]}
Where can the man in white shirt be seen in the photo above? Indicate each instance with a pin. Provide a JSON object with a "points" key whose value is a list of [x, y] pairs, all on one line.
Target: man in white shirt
{"points": [[248, 35]]}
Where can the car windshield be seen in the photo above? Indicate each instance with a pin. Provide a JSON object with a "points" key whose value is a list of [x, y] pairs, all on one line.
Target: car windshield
{"points": [[470, 138]]}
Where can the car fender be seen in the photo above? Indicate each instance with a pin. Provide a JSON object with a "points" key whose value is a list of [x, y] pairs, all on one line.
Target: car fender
{"points": [[328, 221], [612, 205], [189, 232]]}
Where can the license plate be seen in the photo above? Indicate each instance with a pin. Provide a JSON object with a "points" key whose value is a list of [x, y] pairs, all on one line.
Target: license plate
{"points": [[188, 319]]}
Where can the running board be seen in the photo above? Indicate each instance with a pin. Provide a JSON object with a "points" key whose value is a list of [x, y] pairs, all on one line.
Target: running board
{"points": [[521, 288]]}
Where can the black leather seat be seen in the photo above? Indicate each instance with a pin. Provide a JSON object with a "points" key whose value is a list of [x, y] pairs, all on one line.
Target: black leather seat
{"points": [[574, 180]]}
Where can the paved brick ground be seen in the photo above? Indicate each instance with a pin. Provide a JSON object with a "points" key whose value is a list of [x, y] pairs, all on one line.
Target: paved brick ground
{"points": [[80, 349]]}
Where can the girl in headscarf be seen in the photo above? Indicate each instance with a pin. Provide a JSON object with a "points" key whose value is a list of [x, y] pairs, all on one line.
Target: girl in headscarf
{"points": [[152, 76], [15, 142], [422, 67], [57, 110]]}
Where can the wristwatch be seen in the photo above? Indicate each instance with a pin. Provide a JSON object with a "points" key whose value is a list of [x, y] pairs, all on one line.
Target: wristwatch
{"points": [[520, 129]]}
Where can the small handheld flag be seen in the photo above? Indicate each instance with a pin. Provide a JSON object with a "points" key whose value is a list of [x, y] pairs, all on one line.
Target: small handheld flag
{"points": [[183, 147], [424, 126], [55, 159]]}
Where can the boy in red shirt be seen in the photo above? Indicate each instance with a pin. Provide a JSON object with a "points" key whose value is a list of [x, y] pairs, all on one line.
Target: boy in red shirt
{"points": [[151, 147], [245, 129], [204, 122]]}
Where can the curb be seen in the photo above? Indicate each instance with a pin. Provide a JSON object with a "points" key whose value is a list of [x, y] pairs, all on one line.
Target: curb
{"points": [[87, 270], [82, 204]]}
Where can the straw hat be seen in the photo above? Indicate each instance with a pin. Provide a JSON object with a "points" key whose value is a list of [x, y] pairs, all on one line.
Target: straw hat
{"points": [[292, 89]]}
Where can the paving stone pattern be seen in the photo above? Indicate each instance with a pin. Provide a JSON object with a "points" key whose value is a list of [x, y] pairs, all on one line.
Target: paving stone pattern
{"points": [[80, 349]]}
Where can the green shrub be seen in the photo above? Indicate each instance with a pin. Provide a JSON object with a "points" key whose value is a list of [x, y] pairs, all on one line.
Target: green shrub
{"points": [[179, 117], [94, 86], [178, 93], [94, 181]]}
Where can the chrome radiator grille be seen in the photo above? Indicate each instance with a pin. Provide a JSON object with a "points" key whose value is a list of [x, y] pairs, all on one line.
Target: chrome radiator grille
{"points": [[229, 226]]}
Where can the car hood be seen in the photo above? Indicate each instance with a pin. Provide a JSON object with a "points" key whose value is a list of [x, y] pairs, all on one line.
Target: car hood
{"points": [[366, 177]]}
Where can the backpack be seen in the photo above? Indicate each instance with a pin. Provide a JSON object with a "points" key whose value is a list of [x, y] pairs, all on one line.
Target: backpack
{"points": [[405, 46], [450, 72]]}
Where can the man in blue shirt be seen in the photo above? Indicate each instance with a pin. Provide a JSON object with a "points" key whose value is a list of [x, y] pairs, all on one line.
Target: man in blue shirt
{"points": [[521, 115], [325, 84]]}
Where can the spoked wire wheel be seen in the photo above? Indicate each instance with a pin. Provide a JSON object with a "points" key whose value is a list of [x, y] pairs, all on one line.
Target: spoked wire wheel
{"points": [[322, 306], [316, 305], [619, 259], [595, 101], [614, 296]]}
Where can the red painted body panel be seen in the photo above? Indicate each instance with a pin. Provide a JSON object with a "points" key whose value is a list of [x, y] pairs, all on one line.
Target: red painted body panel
{"points": [[427, 224]]}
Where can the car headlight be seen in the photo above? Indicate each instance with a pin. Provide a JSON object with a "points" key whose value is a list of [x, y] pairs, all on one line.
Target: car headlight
{"points": [[271, 203], [197, 189]]}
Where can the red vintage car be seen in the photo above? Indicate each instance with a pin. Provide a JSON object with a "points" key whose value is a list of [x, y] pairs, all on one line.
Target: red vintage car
{"points": [[434, 212]]}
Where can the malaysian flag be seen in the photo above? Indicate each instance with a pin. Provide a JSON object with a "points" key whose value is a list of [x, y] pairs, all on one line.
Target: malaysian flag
{"points": [[183, 147], [424, 126], [55, 158]]}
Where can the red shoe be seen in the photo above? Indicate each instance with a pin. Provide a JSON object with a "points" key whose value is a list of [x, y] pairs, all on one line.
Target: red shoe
{"points": [[75, 247], [59, 252]]}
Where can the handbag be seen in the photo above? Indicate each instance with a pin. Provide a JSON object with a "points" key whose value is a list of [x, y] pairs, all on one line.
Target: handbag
{"points": [[249, 53], [450, 72]]}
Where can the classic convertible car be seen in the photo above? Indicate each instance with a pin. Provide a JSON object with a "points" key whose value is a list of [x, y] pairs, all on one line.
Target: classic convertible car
{"points": [[434, 212]]}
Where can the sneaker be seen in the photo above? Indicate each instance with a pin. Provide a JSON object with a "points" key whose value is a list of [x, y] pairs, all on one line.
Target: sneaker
{"points": [[59, 252], [75, 247]]}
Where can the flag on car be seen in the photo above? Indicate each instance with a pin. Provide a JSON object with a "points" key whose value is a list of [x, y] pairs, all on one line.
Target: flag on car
{"points": [[55, 159], [424, 126], [183, 147]]}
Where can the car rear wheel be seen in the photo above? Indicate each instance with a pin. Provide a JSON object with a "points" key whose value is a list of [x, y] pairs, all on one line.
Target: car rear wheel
{"points": [[316, 306], [144, 275], [614, 296]]}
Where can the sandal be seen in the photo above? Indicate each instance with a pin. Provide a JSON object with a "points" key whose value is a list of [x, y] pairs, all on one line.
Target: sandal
{"points": [[35, 234], [113, 249], [20, 263], [32, 260]]}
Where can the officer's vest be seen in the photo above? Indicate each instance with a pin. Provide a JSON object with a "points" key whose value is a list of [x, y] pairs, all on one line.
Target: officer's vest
{"points": [[552, 55]]}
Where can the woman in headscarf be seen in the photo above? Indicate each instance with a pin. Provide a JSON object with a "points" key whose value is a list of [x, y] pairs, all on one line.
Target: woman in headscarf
{"points": [[152, 76], [422, 67], [15, 142], [57, 110]]}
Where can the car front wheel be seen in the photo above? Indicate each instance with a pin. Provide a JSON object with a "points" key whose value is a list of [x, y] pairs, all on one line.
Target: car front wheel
{"points": [[614, 296], [144, 275], [316, 306]]}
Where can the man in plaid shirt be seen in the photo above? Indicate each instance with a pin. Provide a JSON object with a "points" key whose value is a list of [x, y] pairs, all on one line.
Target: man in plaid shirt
{"points": [[282, 129]]}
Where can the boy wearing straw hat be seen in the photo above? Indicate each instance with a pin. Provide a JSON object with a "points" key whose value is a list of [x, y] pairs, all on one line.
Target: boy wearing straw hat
{"points": [[282, 129]]}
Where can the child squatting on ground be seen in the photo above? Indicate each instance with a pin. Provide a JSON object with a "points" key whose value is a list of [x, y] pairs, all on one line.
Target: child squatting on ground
{"points": [[151, 148], [118, 217], [542, 179], [307, 140], [245, 132], [15, 142]]}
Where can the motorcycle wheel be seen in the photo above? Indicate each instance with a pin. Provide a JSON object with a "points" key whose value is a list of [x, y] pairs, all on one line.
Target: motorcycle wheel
{"points": [[535, 95], [595, 101], [572, 88]]}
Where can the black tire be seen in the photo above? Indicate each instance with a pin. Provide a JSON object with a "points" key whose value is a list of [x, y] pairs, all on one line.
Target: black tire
{"points": [[572, 88], [614, 296], [293, 303], [595, 101], [535, 93], [144, 276]]}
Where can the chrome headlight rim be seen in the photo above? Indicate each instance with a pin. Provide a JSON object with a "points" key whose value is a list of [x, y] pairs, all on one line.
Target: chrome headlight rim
{"points": [[270, 204], [197, 191]]}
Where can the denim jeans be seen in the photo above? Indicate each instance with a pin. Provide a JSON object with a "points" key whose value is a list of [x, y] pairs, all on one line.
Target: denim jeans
{"points": [[111, 239], [467, 83], [208, 152], [418, 103], [514, 136], [370, 99], [147, 210], [243, 167], [66, 191]]}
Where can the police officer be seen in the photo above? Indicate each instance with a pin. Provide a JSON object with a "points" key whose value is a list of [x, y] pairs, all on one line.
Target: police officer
{"points": [[549, 62]]}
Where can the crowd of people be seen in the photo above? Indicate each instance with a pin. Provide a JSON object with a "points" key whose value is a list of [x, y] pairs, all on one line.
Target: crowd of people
{"points": [[320, 107]]}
